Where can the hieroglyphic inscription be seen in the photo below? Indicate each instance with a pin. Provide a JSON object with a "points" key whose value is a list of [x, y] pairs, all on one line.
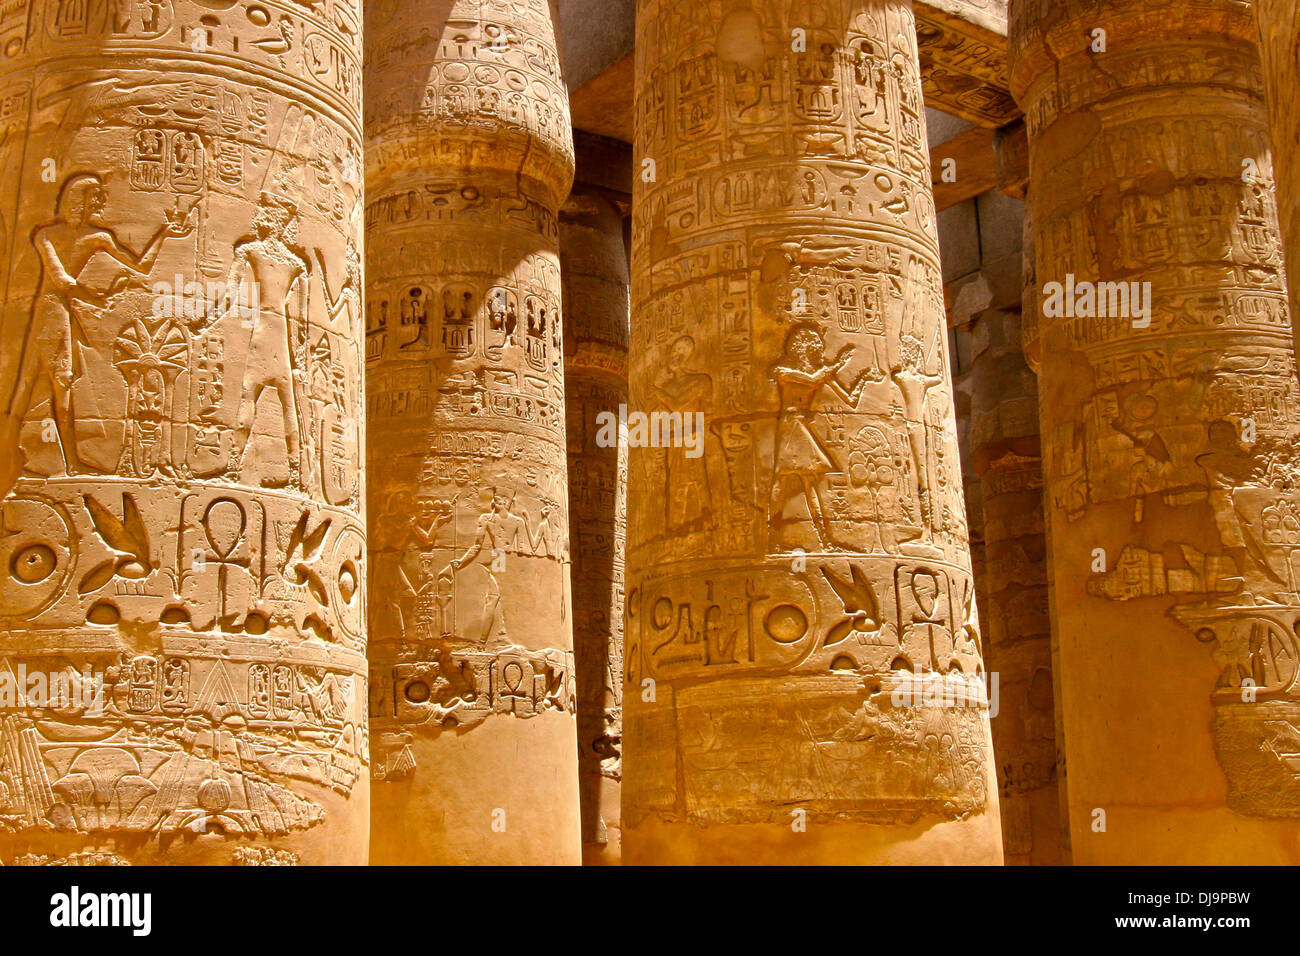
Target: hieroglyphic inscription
{"points": [[1279, 34], [786, 285], [1170, 441], [472, 620], [595, 272], [180, 427], [964, 59], [1006, 453]]}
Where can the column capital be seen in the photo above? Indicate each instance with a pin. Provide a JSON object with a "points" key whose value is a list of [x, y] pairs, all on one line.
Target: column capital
{"points": [[484, 92], [1049, 37]]}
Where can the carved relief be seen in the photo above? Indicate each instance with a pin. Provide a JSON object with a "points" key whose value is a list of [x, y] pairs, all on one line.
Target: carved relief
{"points": [[1006, 453], [1279, 32], [181, 392], [963, 60], [473, 618], [596, 280], [814, 555], [1170, 468]]}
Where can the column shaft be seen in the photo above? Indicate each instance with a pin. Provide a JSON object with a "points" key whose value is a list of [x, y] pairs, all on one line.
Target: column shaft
{"points": [[1170, 421], [1279, 31], [593, 257], [182, 560], [1006, 453], [797, 547], [468, 156]]}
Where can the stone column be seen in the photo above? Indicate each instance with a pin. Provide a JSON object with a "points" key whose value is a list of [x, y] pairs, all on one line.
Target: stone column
{"points": [[182, 553], [1279, 32], [1007, 457], [797, 548], [469, 155], [1170, 423], [1031, 349], [595, 268]]}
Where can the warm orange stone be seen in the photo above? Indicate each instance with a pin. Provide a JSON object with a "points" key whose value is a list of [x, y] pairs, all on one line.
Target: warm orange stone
{"points": [[1279, 30], [469, 156], [182, 540], [1169, 432], [593, 256], [1006, 452], [798, 556]]}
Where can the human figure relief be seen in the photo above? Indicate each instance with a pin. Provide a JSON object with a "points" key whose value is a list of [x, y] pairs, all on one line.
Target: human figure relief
{"points": [[65, 245], [914, 383], [347, 304], [500, 532], [800, 455], [1227, 469], [546, 542], [687, 498], [334, 380], [275, 270], [409, 584], [1151, 462]]}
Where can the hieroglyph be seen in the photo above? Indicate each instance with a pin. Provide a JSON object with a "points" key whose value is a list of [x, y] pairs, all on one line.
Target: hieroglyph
{"points": [[180, 496], [786, 283]]}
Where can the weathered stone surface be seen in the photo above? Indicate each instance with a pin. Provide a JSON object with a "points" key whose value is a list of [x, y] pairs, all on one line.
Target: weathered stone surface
{"points": [[1030, 346], [605, 164], [1016, 613], [181, 520], [1279, 30], [1030, 297], [811, 559], [1011, 149], [1170, 435], [963, 48], [468, 157], [593, 259]]}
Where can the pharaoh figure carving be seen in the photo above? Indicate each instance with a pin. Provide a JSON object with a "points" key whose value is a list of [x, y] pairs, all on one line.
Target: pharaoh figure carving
{"points": [[163, 167], [1169, 433], [784, 227], [469, 155]]}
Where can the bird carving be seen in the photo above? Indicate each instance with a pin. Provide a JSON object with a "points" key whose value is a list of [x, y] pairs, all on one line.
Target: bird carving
{"points": [[859, 599]]}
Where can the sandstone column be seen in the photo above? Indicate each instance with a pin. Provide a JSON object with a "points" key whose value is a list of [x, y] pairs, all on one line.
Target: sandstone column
{"points": [[797, 548], [594, 264], [182, 544], [1169, 433], [1006, 453], [1279, 31], [1031, 349], [468, 157]]}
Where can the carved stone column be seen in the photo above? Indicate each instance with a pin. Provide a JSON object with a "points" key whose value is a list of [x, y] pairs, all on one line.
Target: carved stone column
{"points": [[1169, 432], [1279, 31], [1005, 449], [797, 553], [594, 264], [182, 543], [1031, 349], [468, 157]]}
